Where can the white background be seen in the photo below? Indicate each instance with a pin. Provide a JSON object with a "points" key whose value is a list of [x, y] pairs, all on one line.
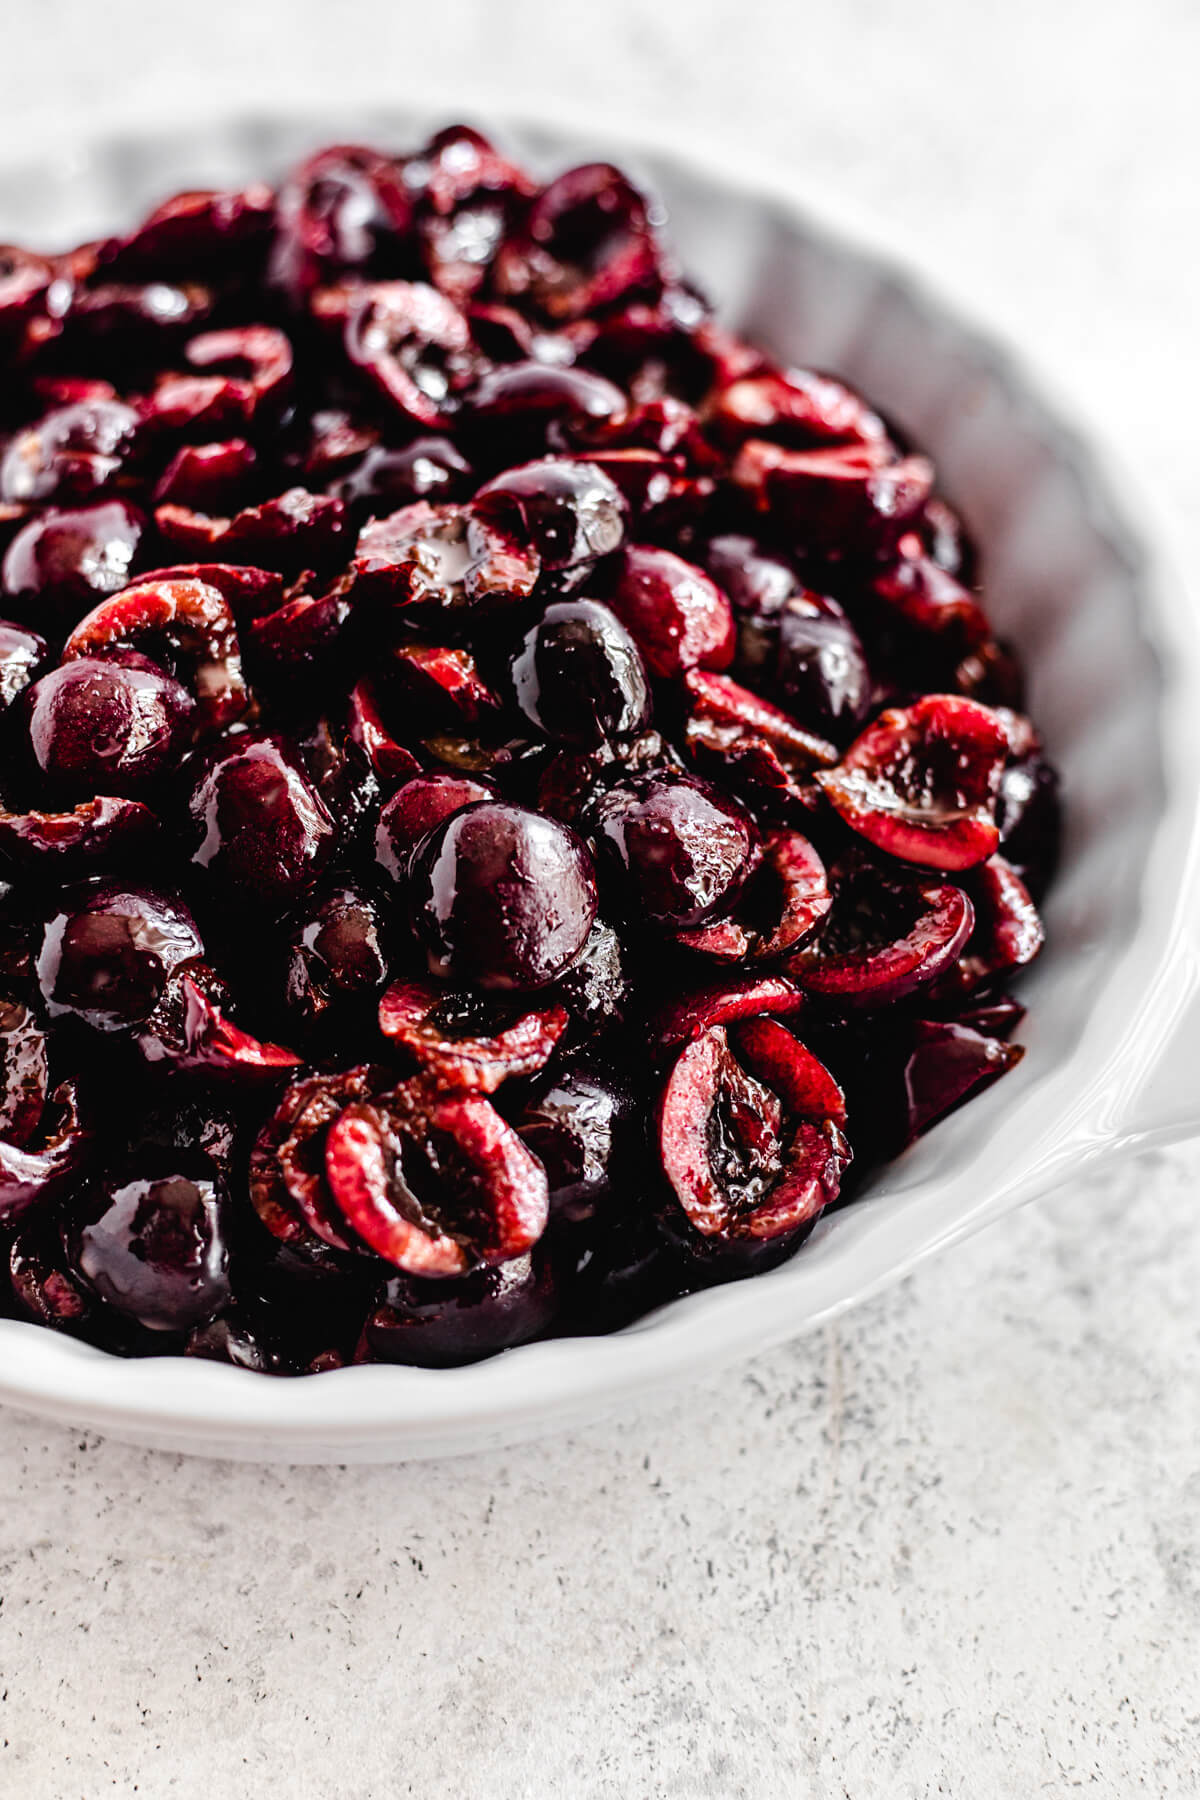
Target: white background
{"points": [[949, 1547]]}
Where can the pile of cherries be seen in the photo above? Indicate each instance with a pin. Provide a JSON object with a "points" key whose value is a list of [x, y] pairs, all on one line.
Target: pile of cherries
{"points": [[502, 784]]}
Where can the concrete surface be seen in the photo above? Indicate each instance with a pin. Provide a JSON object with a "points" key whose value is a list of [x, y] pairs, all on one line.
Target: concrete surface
{"points": [[949, 1548]]}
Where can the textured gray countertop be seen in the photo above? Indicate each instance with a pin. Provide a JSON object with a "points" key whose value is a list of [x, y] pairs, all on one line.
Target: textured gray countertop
{"points": [[949, 1547]]}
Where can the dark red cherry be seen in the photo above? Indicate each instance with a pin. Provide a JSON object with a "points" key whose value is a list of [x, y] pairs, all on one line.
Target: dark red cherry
{"points": [[335, 954], [183, 624], [70, 453], [461, 1041], [503, 898], [748, 1150], [288, 1186], [412, 343], [429, 468], [442, 556], [210, 478], [799, 408], [747, 997], [679, 617], [264, 833], [345, 210], [435, 1182], [758, 584], [822, 675], [571, 512], [107, 953], [586, 242], [197, 230], [888, 934], [579, 676], [922, 783], [580, 1121], [107, 727], [414, 810], [443, 1324], [188, 1032], [97, 834], [597, 987], [858, 496], [64, 561], [683, 848], [946, 1064], [50, 1161], [153, 1244], [783, 904], [515, 405]]}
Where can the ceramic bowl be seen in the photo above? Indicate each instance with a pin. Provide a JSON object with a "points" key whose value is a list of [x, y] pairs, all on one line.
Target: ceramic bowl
{"points": [[1073, 574]]}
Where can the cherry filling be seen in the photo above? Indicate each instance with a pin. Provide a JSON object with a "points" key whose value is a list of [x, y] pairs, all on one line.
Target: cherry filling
{"points": [[503, 785]]}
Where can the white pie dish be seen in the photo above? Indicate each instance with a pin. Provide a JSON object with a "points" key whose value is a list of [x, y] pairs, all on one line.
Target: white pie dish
{"points": [[1112, 646]]}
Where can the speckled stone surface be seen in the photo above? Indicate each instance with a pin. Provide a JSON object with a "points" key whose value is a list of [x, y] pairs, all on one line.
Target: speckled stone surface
{"points": [[950, 1547]]}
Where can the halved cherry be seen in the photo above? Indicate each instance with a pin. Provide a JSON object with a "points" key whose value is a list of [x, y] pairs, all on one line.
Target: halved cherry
{"points": [[442, 556], [300, 635], [784, 903], [513, 409], [251, 364], [928, 599], [461, 1041], [468, 195], [436, 1183], [444, 683], [287, 532], [344, 211], [888, 933], [94, 832], [392, 762], [922, 783], [49, 1160], [209, 477], [200, 229], [756, 746], [587, 241], [800, 408], [721, 1003], [412, 342], [749, 1174], [570, 511], [677, 614], [188, 1030], [187, 626], [295, 1140], [1008, 929], [947, 1063], [250, 593], [826, 499], [775, 1055], [415, 809], [24, 1072]]}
